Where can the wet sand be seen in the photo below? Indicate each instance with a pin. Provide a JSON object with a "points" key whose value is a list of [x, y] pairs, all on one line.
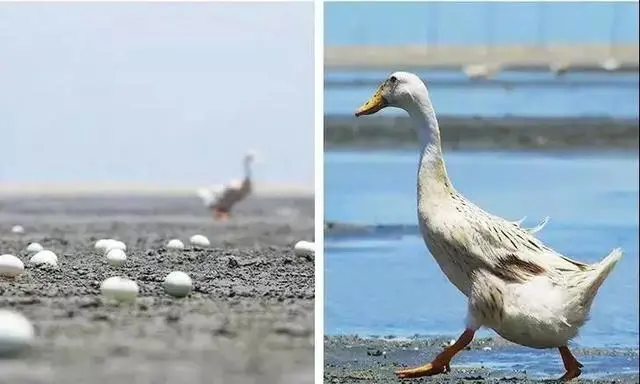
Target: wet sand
{"points": [[249, 318], [351, 359]]}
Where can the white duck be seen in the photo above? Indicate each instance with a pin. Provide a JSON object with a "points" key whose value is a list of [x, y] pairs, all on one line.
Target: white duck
{"points": [[234, 192], [525, 291]]}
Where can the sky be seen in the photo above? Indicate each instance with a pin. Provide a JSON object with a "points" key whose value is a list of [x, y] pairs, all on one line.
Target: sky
{"points": [[156, 93], [481, 22]]}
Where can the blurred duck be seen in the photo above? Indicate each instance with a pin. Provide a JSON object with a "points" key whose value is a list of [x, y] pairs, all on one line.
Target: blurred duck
{"points": [[516, 285], [221, 199]]}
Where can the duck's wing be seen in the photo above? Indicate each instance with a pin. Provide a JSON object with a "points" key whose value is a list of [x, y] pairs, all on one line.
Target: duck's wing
{"points": [[228, 197], [509, 252]]}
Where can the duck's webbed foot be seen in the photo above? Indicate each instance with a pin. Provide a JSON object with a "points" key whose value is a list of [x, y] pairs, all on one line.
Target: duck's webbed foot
{"points": [[433, 368], [441, 363], [570, 364]]}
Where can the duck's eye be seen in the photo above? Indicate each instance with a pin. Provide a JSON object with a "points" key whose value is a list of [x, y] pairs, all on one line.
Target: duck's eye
{"points": [[393, 79]]}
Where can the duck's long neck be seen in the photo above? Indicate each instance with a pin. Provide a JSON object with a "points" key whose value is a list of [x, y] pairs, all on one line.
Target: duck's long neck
{"points": [[433, 181], [247, 170]]}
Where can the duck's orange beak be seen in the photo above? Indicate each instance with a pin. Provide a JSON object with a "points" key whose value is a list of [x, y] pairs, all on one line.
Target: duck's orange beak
{"points": [[375, 103]]}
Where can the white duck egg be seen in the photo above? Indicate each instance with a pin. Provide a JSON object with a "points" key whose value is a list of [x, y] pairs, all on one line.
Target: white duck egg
{"points": [[119, 288], [116, 257], [116, 244], [10, 266], [44, 257], [16, 332], [199, 240], [102, 244], [175, 244], [17, 229], [304, 248], [177, 284], [34, 247]]}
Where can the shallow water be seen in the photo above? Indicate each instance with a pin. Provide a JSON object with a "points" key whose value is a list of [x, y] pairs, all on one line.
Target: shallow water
{"points": [[386, 283]]}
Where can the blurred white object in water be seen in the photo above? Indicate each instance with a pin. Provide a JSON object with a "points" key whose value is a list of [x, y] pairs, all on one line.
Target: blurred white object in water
{"points": [[16, 332], [480, 71], [175, 244], [44, 257], [559, 68], [119, 288], [17, 229], [178, 284], [304, 248], [611, 64], [34, 247], [116, 257], [199, 240], [10, 266]]}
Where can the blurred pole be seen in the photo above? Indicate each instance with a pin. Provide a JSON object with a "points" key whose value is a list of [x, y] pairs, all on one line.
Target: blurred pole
{"points": [[488, 31], [432, 25], [612, 30], [541, 36], [610, 62]]}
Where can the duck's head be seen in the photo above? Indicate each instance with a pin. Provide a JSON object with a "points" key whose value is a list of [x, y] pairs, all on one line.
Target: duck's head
{"points": [[249, 157], [401, 90]]}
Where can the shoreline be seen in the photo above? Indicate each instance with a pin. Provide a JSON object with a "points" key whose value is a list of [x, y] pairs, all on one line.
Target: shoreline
{"points": [[484, 133], [479, 342], [355, 359], [119, 189]]}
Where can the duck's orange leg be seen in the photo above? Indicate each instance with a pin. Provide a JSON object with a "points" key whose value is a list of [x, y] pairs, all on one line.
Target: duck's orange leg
{"points": [[441, 363], [219, 214], [570, 364]]}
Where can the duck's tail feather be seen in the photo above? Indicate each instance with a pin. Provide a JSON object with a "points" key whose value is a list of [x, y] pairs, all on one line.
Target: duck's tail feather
{"points": [[206, 196], [533, 230], [601, 272], [539, 227], [210, 195]]}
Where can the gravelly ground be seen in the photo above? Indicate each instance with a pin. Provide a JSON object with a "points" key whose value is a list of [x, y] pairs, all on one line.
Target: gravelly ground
{"points": [[351, 359], [248, 320]]}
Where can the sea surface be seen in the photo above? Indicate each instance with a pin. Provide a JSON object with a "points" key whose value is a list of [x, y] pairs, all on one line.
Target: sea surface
{"points": [[532, 94], [387, 283]]}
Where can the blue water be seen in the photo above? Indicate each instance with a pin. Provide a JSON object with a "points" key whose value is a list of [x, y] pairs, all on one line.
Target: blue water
{"points": [[491, 23], [378, 284], [614, 100]]}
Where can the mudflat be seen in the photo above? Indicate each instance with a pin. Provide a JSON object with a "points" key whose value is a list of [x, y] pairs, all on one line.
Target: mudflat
{"points": [[353, 359], [249, 318]]}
